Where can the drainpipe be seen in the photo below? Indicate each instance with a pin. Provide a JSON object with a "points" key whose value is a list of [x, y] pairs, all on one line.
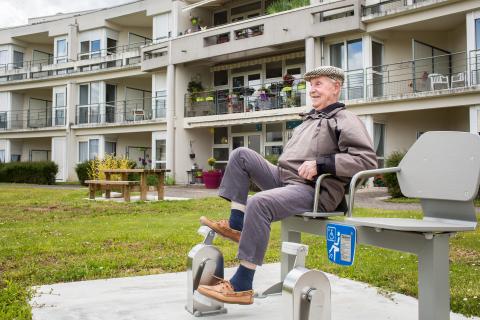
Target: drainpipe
{"points": [[170, 102]]}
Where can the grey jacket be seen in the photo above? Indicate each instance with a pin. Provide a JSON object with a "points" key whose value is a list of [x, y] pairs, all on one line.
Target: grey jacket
{"points": [[339, 142]]}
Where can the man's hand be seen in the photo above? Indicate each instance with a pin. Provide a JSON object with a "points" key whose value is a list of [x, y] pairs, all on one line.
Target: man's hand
{"points": [[308, 169]]}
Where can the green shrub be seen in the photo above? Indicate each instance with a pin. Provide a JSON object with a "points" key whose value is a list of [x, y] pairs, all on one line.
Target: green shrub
{"points": [[42, 172], [82, 172], [391, 178], [284, 5]]}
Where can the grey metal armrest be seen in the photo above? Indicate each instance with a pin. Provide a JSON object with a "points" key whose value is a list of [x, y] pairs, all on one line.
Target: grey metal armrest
{"points": [[317, 191], [362, 175]]}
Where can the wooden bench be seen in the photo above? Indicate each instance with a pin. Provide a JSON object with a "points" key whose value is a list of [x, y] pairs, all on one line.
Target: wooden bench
{"points": [[126, 186]]}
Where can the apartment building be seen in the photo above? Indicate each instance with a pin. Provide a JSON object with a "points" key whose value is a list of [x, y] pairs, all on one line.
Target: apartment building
{"points": [[177, 82]]}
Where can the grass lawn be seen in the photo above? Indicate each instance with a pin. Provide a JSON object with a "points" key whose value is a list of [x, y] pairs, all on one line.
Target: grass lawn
{"points": [[49, 236]]}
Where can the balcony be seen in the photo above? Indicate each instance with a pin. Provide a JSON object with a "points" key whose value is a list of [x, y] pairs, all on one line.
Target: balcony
{"points": [[122, 112], [32, 119], [431, 75], [268, 31], [34, 69], [115, 57], [155, 56], [110, 57], [389, 6], [268, 96]]}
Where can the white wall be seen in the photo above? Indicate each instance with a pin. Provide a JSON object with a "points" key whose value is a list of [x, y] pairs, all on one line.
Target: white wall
{"points": [[402, 127]]}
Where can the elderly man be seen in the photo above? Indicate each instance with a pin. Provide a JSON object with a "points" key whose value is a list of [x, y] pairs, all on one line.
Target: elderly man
{"points": [[330, 140]]}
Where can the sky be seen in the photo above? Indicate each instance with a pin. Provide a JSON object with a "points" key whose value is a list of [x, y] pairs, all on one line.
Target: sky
{"points": [[17, 12]]}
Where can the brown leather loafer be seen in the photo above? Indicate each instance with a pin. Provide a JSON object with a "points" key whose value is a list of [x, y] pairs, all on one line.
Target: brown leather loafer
{"points": [[222, 228], [223, 292]]}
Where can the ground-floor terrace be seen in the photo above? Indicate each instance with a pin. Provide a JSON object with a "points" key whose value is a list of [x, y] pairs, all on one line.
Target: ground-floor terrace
{"points": [[69, 148]]}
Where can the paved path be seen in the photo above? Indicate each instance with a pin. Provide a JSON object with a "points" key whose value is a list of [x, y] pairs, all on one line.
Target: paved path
{"points": [[159, 297]]}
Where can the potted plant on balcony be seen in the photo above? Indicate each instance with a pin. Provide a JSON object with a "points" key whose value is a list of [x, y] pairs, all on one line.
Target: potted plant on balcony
{"points": [[194, 88], [212, 177]]}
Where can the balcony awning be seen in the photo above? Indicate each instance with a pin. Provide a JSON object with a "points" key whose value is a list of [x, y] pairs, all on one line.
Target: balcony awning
{"points": [[253, 62], [203, 3]]}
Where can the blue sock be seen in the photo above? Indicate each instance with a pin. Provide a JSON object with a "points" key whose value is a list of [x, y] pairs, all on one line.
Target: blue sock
{"points": [[242, 280], [236, 219]]}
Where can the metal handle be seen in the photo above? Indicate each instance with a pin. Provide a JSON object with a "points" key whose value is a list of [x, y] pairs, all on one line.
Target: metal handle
{"points": [[359, 176], [208, 233], [317, 191], [296, 249]]}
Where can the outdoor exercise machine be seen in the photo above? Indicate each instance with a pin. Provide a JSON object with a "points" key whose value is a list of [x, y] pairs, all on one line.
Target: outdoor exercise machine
{"points": [[204, 265], [442, 169]]}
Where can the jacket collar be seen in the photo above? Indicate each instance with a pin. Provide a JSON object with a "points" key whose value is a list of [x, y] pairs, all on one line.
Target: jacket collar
{"points": [[327, 112]]}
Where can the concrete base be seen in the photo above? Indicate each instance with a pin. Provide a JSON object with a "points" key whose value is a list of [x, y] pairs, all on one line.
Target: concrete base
{"points": [[163, 297]]}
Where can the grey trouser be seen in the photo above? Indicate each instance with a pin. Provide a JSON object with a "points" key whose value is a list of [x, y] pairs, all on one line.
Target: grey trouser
{"points": [[278, 199]]}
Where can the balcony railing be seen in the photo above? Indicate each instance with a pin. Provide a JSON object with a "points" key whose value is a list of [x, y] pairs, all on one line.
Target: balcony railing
{"points": [[275, 95], [384, 6], [106, 58], [112, 50], [32, 119], [121, 111], [431, 74], [434, 73]]}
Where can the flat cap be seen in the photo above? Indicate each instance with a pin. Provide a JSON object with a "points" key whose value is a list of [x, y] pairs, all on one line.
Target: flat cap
{"points": [[326, 71]]}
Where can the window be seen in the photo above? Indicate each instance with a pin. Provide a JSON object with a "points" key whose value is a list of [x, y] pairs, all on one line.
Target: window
{"points": [[220, 18], [84, 50], [82, 151], [336, 55], [220, 135], [60, 109], [273, 139], [84, 99], [274, 70], [18, 59], [274, 132], [161, 104], [220, 154], [111, 148], [111, 46], [220, 146], [161, 154], [2, 156], [88, 150], [3, 120], [39, 155], [93, 149], [16, 158], [95, 48], [3, 57], [220, 78], [477, 33], [379, 142], [140, 155], [61, 50]]}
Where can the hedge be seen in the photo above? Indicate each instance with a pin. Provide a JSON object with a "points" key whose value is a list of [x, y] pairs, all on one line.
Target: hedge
{"points": [[42, 172]]}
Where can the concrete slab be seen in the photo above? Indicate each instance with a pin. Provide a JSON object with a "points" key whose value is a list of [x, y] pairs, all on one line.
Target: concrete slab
{"points": [[163, 297]]}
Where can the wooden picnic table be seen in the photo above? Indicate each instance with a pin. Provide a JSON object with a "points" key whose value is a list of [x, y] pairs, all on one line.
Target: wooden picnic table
{"points": [[160, 173]]}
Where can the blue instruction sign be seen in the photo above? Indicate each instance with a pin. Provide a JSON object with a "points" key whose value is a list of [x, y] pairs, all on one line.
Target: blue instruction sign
{"points": [[341, 241]]}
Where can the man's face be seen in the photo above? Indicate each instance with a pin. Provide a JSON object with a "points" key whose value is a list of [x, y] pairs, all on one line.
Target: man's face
{"points": [[323, 92]]}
